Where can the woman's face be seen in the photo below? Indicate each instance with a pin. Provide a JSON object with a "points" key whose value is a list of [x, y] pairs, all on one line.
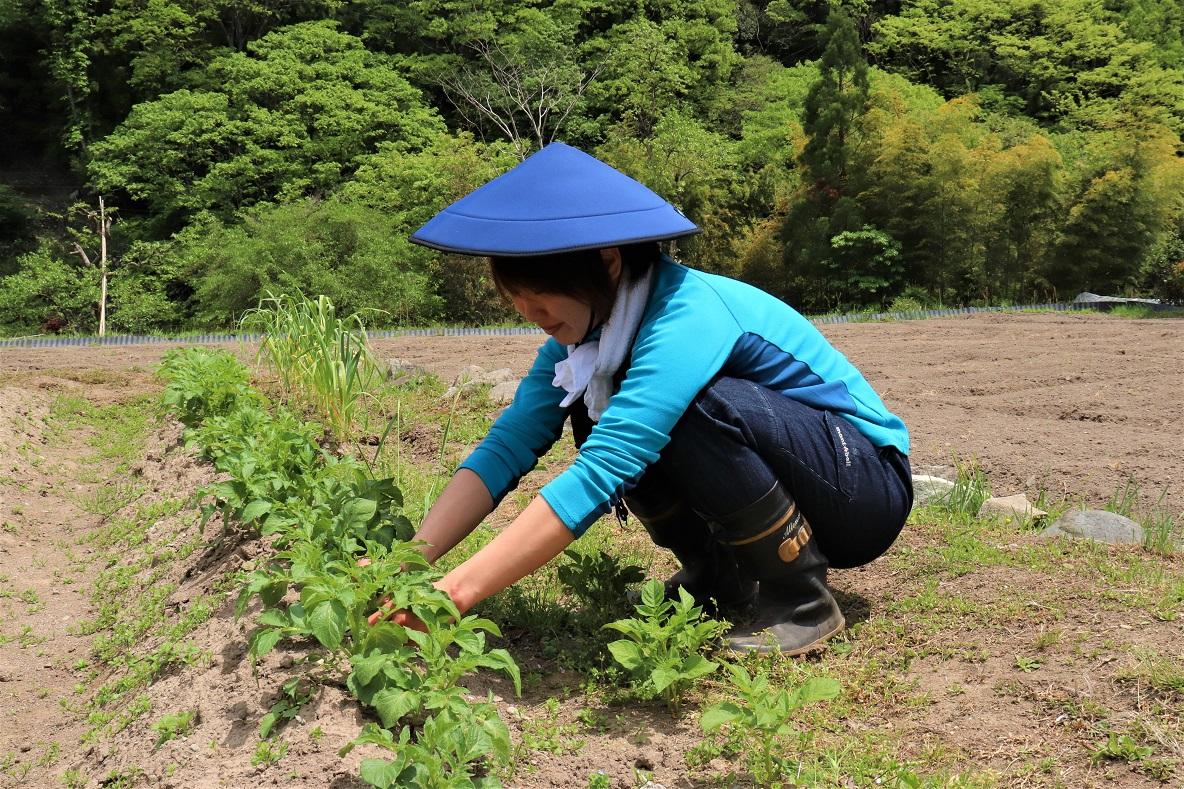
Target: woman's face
{"points": [[565, 318]]}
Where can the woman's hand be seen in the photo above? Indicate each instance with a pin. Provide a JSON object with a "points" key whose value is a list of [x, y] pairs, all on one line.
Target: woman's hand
{"points": [[399, 617], [534, 538], [385, 611]]}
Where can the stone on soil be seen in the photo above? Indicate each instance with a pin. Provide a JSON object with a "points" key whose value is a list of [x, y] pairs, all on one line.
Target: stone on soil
{"points": [[927, 488], [1096, 525], [503, 393], [1016, 506], [400, 370], [473, 376]]}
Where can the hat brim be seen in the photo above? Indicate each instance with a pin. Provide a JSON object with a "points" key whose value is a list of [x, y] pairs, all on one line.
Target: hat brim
{"points": [[451, 231]]}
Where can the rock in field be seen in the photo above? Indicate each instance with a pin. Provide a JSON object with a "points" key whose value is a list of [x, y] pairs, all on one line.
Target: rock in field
{"points": [[503, 393], [400, 371], [1096, 525], [1014, 507], [928, 488], [473, 376]]}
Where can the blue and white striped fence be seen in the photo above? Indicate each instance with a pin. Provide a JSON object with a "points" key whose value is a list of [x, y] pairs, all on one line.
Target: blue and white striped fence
{"points": [[207, 339]]}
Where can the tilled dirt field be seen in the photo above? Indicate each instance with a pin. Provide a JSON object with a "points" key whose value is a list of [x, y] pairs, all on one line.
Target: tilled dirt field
{"points": [[1072, 405]]}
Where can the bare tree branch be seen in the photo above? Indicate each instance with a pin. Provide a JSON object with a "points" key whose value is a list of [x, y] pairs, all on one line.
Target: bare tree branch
{"points": [[523, 100], [82, 254]]}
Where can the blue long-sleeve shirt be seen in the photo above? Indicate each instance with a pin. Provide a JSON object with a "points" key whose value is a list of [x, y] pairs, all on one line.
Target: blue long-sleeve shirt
{"points": [[695, 326]]}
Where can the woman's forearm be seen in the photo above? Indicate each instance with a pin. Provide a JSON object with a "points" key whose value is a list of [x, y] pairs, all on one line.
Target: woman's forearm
{"points": [[534, 538], [462, 505]]}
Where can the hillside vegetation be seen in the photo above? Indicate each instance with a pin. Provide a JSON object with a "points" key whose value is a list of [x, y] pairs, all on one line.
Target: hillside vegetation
{"points": [[841, 154]]}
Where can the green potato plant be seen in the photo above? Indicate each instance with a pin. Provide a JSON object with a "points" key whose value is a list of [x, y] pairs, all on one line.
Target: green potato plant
{"points": [[201, 383], [294, 694], [662, 646], [763, 715], [599, 579], [324, 514], [447, 754], [396, 687]]}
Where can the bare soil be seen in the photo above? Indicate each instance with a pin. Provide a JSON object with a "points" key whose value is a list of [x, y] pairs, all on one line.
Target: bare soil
{"points": [[1073, 406]]}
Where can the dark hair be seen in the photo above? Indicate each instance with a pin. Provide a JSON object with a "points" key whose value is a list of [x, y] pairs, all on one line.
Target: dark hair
{"points": [[581, 274]]}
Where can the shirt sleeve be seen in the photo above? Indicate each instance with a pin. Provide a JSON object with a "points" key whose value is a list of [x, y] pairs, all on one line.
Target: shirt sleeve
{"points": [[525, 430], [681, 346]]}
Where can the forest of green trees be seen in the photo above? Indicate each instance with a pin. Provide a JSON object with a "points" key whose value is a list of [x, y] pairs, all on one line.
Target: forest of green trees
{"points": [[843, 155]]}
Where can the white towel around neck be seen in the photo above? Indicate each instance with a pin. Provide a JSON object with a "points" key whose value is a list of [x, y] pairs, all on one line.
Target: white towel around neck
{"points": [[589, 368]]}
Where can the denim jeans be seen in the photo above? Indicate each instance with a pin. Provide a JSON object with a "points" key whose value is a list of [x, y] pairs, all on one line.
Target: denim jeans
{"points": [[737, 439]]}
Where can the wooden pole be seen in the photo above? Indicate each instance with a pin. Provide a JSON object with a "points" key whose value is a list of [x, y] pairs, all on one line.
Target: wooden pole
{"points": [[104, 227]]}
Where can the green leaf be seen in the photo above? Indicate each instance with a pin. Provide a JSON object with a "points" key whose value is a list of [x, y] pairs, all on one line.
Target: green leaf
{"points": [[387, 488], [472, 641], [653, 594], [663, 677], [635, 629], [366, 668], [697, 666], [500, 660], [499, 736], [264, 640], [479, 623], [275, 522], [227, 491], [393, 703], [273, 592], [718, 715], [740, 677], [356, 513], [327, 623], [627, 654], [266, 723], [373, 734], [380, 773], [255, 509], [274, 617], [384, 637], [244, 598], [815, 689]]}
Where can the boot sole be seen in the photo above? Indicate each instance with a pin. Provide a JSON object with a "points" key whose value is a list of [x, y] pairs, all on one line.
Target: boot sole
{"points": [[769, 644]]}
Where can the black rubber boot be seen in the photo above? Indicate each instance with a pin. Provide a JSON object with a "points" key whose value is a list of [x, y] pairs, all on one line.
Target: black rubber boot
{"points": [[796, 612], [709, 571]]}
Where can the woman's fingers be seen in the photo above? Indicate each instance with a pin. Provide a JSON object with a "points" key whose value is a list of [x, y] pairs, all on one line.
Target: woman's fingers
{"points": [[410, 620], [384, 612], [399, 617]]}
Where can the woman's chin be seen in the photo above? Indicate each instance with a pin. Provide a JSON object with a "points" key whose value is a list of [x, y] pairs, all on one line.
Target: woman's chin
{"points": [[561, 335]]}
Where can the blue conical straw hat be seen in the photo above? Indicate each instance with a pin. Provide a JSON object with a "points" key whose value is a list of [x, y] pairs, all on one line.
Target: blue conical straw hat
{"points": [[558, 200]]}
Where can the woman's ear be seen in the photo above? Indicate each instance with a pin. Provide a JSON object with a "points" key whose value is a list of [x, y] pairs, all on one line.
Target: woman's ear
{"points": [[612, 261]]}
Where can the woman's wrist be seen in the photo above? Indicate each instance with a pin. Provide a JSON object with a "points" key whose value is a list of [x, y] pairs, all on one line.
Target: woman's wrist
{"points": [[462, 594], [534, 538], [428, 550]]}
